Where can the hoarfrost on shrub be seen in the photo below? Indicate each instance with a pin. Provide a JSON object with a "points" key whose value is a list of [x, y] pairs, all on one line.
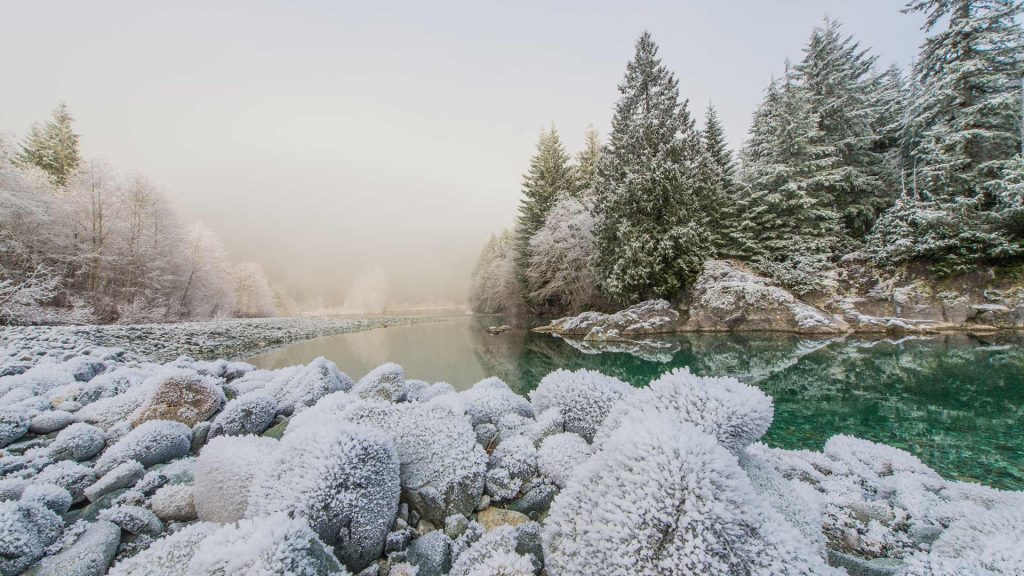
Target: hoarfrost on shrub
{"points": [[584, 398], [490, 399], [559, 456], [385, 382]]}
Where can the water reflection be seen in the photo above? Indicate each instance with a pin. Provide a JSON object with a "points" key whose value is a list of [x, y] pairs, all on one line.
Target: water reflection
{"points": [[956, 401]]}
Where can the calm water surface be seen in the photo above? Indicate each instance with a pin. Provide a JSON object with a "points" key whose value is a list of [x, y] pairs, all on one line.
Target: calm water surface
{"points": [[955, 401]]}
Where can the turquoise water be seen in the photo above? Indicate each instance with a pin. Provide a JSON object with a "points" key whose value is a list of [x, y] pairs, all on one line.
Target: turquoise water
{"points": [[955, 401]]}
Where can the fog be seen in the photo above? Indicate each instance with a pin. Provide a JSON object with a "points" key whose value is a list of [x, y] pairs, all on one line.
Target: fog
{"points": [[363, 153]]}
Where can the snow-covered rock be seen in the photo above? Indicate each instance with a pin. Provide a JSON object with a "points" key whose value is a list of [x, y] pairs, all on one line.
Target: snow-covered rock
{"points": [[52, 496], [79, 441], [174, 503], [14, 423], [134, 519], [89, 555], [224, 473], [491, 399], [306, 386], [180, 395], [342, 478], [494, 554], [152, 442], [513, 463], [385, 382], [583, 398], [727, 296], [250, 413], [664, 498], [560, 454], [645, 318], [733, 413], [26, 529], [50, 421], [984, 544], [71, 476], [124, 475]]}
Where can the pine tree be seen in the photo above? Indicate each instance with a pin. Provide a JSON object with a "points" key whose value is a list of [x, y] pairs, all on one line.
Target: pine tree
{"points": [[850, 100], [647, 235], [586, 162], [786, 226], [718, 181], [53, 147], [550, 177]]}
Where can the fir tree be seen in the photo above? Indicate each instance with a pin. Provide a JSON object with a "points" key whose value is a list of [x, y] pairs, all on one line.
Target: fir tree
{"points": [[550, 177], [648, 238], [53, 147], [586, 162], [718, 181]]}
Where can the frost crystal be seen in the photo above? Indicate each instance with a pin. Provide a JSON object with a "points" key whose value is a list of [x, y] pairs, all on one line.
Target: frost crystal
{"points": [[251, 413], [584, 398], [153, 442], [490, 399], [559, 456], [223, 475]]}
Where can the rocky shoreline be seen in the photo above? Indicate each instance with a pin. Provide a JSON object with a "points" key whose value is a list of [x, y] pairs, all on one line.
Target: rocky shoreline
{"points": [[210, 467], [728, 297]]}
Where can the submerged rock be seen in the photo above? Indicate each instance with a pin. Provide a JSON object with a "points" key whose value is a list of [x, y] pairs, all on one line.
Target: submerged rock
{"points": [[645, 318]]}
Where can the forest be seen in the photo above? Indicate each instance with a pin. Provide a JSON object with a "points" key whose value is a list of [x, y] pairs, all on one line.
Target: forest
{"points": [[845, 160], [80, 243]]}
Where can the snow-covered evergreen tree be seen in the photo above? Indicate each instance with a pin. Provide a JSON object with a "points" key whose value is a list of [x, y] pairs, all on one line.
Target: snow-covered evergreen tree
{"points": [[586, 162], [717, 177], [549, 178], [648, 236], [53, 147]]}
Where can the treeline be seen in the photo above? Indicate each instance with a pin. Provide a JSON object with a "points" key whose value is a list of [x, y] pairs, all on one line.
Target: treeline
{"points": [[80, 244], [844, 159]]}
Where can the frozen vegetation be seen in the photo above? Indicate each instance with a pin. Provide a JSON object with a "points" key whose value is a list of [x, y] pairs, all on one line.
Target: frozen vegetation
{"points": [[120, 465]]}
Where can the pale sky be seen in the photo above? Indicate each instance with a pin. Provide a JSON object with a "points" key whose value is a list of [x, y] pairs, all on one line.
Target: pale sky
{"points": [[322, 138]]}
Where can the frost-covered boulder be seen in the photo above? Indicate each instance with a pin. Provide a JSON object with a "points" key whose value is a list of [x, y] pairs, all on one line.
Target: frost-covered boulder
{"points": [[90, 554], [727, 296], [110, 411], [645, 318], [250, 413], [310, 383], [431, 554], [180, 396], [12, 488], [733, 413], [153, 442], [14, 423], [490, 399], [79, 441], [26, 529], [583, 398], [110, 384], [798, 502], [224, 473], [559, 456], [50, 421], [342, 478], [71, 476], [987, 543], [53, 497], [262, 546], [385, 382], [662, 497], [512, 464], [174, 503], [495, 554], [442, 466], [134, 519], [124, 475]]}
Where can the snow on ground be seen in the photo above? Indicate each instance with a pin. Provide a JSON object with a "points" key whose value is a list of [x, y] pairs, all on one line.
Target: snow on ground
{"points": [[113, 462]]}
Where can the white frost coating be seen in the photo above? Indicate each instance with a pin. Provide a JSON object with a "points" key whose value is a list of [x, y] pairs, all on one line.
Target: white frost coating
{"points": [[664, 498], [385, 382], [26, 529], [14, 424], [108, 412], [50, 421], [250, 413], [548, 423], [342, 478], [80, 441], [584, 398], [168, 556], [268, 546], [50, 495], [559, 456], [432, 391], [153, 442], [71, 476], [799, 503], [442, 465], [986, 544], [110, 384], [868, 457], [174, 502], [223, 475], [494, 555], [512, 463], [309, 384], [179, 395], [490, 399], [735, 414]]}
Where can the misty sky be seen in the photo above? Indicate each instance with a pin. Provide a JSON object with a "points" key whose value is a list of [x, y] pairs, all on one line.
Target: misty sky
{"points": [[321, 138]]}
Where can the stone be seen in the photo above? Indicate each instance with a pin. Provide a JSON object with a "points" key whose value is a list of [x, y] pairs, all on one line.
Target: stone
{"points": [[276, 430], [153, 442], [53, 497], [431, 554], [71, 476], [398, 540], [181, 396], [50, 421], [90, 555], [14, 423], [123, 476], [536, 500], [134, 520], [200, 434], [455, 525], [174, 503], [645, 318], [77, 442], [492, 518], [250, 413], [729, 297], [28, 528], [385, 382], [856, 566]]}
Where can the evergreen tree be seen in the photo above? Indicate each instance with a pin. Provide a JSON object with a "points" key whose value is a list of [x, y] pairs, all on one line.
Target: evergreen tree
{"points": [[718, 180], [853, 106], [53, 147], [786, 226], [550, 177], [648, 238], [586, 162]]}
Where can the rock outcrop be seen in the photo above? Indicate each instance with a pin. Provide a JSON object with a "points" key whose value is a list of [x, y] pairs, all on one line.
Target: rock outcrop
{"points": [[643, 319]]}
